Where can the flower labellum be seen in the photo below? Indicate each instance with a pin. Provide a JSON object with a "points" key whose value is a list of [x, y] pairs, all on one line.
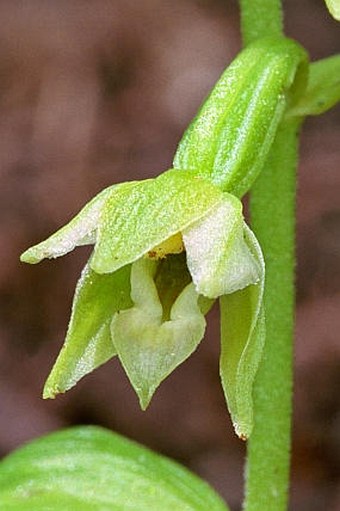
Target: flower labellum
{"points": [[149, 346]]}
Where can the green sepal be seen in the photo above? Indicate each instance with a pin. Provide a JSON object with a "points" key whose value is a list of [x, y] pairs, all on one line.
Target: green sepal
{"points": [[81, 230], [231, 136], [334, 8], [218, 256], [323, 89], [134, 223], [90, 468], [242, 341], [88, 341], [149, 345]]}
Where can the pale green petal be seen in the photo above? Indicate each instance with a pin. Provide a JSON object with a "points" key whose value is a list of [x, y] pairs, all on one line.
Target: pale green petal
{"points": [[218, 256], [135, 222], [148, 347], [242, 341], [334, 8], [81, 230], [88, 341]]}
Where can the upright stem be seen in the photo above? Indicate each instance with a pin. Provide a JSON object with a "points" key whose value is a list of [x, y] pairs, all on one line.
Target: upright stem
{"points": [[260, 18], [273, 219], [272, 205]]}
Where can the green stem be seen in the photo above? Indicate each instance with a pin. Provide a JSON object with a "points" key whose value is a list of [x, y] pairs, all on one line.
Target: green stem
{"points": [[273, 219], [260, 18], [272, 205]]}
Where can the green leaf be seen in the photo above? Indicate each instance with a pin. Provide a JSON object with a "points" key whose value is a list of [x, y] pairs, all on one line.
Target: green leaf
{"points": [[47, 502], [231, 136], [81, 230], [323, 89], [133, 223], [242, 341], [89, 468], [334, 8], [150, 346], [88, 342], [218, 257]]}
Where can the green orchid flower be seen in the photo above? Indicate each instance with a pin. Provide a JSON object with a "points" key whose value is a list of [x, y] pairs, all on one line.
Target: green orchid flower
{"points": [[164, 249]]}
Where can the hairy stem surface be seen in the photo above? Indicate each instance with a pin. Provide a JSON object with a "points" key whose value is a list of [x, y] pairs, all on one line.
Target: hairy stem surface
{"points": [[272, 206], [260, 18], [273, 219]]}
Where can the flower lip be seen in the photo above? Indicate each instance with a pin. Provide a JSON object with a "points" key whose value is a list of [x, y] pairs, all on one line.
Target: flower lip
{"points": [[149, 347]]}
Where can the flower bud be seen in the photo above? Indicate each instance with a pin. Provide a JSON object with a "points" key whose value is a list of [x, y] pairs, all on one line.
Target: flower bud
{"points": [[230, 138]]}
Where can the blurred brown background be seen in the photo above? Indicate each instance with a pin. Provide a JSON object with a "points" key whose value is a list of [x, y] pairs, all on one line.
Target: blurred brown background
{"points": [[92, 93]]}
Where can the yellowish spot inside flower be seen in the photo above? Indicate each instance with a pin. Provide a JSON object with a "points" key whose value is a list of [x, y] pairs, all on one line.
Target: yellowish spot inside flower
{"points": [[173, 245]]}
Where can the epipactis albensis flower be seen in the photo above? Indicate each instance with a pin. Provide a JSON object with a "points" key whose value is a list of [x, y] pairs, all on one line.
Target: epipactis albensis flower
{"points": [[165, 248]]}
